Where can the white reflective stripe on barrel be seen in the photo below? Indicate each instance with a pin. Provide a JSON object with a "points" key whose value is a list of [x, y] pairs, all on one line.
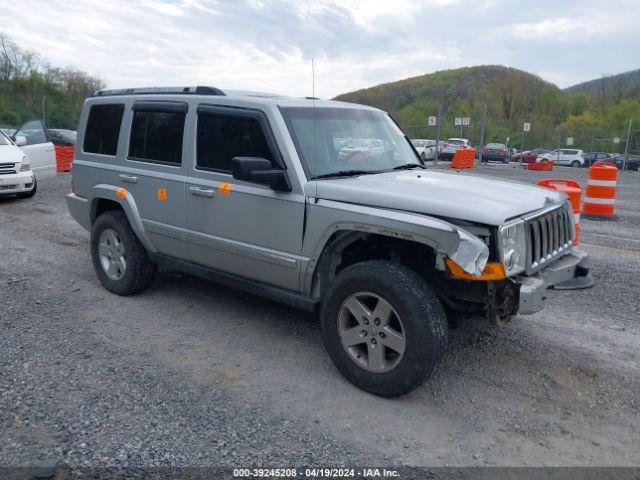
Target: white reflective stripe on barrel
{"points": [[576, 218], [601, 183], [600, 201]]}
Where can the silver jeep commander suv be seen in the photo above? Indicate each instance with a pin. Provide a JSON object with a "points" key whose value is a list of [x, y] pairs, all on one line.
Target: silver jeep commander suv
{"points": [[317, 204]]}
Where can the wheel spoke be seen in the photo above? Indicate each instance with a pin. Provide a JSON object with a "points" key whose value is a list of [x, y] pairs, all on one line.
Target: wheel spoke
{"points": [[353, 336], [112, 270], [376, 356], [393, 340], [383, 311], [112, 238], [119, 248], [357, 309], [119, 265], [104, 249]]}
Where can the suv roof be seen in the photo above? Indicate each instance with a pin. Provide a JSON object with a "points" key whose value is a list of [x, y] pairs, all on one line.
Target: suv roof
{"points": [[207, 91]]}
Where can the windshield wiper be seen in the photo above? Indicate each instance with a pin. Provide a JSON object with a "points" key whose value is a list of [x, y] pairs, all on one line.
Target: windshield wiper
{"points": [[345, 173], [408, 166]]}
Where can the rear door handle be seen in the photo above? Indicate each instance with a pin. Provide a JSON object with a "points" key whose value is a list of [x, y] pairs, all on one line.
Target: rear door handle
{"points": [[201, 192], [128, 178]]}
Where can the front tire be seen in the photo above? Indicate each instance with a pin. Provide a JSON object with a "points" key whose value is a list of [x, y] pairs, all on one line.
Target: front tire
{"points": [[119, 259], [383, 327]]}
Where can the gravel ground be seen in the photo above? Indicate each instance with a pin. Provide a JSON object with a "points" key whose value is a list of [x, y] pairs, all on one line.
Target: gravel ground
{"points": [[192, 373]]}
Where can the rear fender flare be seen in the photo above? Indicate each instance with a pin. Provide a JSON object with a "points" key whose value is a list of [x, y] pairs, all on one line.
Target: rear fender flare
{"points": [[128, 204]]}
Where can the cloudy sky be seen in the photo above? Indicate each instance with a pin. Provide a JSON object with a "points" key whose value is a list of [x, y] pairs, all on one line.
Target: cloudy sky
{"points": [[267, 45]]}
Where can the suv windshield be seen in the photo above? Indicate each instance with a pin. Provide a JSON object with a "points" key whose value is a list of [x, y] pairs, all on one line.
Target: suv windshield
{"points": [[349, 140]]}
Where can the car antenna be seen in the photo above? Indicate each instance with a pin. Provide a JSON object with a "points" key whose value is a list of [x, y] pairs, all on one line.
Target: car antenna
{"points": [[315, 148]]}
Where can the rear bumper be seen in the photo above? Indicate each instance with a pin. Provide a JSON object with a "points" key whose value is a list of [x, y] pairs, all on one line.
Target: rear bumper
{"points": [[21, 182], [570, 271]]}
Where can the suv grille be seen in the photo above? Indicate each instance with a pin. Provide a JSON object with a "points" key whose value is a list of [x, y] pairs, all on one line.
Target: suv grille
{"points": [[549, 236]]}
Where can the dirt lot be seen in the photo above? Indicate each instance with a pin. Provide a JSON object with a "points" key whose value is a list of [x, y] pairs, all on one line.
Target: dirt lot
{"points": [[191, 373]]}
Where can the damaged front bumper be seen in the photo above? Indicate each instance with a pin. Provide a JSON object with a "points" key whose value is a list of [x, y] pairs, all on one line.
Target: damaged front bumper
{"points": [[568, 272]]}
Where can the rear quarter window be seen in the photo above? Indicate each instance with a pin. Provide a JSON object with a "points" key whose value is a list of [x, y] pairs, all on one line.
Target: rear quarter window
{"points": [[156, 136], [103, 129]]}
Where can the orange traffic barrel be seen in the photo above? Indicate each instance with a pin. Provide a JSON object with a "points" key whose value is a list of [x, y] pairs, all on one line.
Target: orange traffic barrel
{"points": [[574, 191], [64, 158], [600, 197], [463, 158]]}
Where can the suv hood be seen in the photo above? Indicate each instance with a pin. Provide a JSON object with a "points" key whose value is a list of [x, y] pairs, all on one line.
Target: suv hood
{"points": [[474, 198]]}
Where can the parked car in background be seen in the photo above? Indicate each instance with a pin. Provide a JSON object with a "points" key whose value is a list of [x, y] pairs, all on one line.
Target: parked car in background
{"points": [[633, 162], [592, 157], [495, 152], [16, 176], [37, 146], [358, 148], [425, 148], [528, 156], [564, 156], [450, 146], [61, 137]]}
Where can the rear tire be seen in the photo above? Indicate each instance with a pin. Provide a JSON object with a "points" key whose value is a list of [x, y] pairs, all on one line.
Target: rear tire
{"points": [[383, 363], [119, 259], [32, 192], [576, 164]]}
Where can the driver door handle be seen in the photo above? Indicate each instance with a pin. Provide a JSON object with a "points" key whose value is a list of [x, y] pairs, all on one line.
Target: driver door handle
{"points": [[128, 178], [201, 192]]}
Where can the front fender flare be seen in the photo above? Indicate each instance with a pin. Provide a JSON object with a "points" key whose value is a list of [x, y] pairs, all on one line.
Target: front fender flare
{"points": [[445, 238]]}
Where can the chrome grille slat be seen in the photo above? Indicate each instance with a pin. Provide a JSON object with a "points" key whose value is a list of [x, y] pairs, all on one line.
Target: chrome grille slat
{"points": [[549, 235]]}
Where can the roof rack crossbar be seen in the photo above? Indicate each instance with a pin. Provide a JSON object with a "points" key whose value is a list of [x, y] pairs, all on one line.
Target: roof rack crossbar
{"points": [[199, 90]]}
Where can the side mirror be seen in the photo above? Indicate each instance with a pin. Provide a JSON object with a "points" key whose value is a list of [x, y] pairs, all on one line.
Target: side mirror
{"points": [[259, 170], [21, 140]]}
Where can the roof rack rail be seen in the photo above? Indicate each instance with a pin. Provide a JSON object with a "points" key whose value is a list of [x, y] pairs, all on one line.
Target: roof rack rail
{"points": [[199, 90]]}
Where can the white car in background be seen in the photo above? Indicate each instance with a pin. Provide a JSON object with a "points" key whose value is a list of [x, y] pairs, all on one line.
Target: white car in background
{"points": [[564, 156], [16, 176], [450, 146], [25, 157], [38, 147], [425, 148]]}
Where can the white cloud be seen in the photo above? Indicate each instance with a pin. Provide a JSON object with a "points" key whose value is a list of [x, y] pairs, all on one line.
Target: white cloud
{"points": [[268, 44], [554, 27]]}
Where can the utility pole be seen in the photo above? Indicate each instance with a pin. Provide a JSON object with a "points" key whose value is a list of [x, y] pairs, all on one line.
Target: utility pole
{"points": [[438, 132], [44, 113], [626, 147], [484, 121]]}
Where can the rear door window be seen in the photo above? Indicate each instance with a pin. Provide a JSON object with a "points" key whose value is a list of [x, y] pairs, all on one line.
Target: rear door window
{"points": [[103, 129]]}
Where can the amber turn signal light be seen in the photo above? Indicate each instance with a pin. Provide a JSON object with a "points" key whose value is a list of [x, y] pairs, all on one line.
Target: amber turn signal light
{"points": [[492, 271]]}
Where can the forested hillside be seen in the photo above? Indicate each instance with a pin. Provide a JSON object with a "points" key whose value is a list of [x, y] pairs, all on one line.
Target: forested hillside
{"points": [[612, 85], [512, 97], [26, 79]]}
